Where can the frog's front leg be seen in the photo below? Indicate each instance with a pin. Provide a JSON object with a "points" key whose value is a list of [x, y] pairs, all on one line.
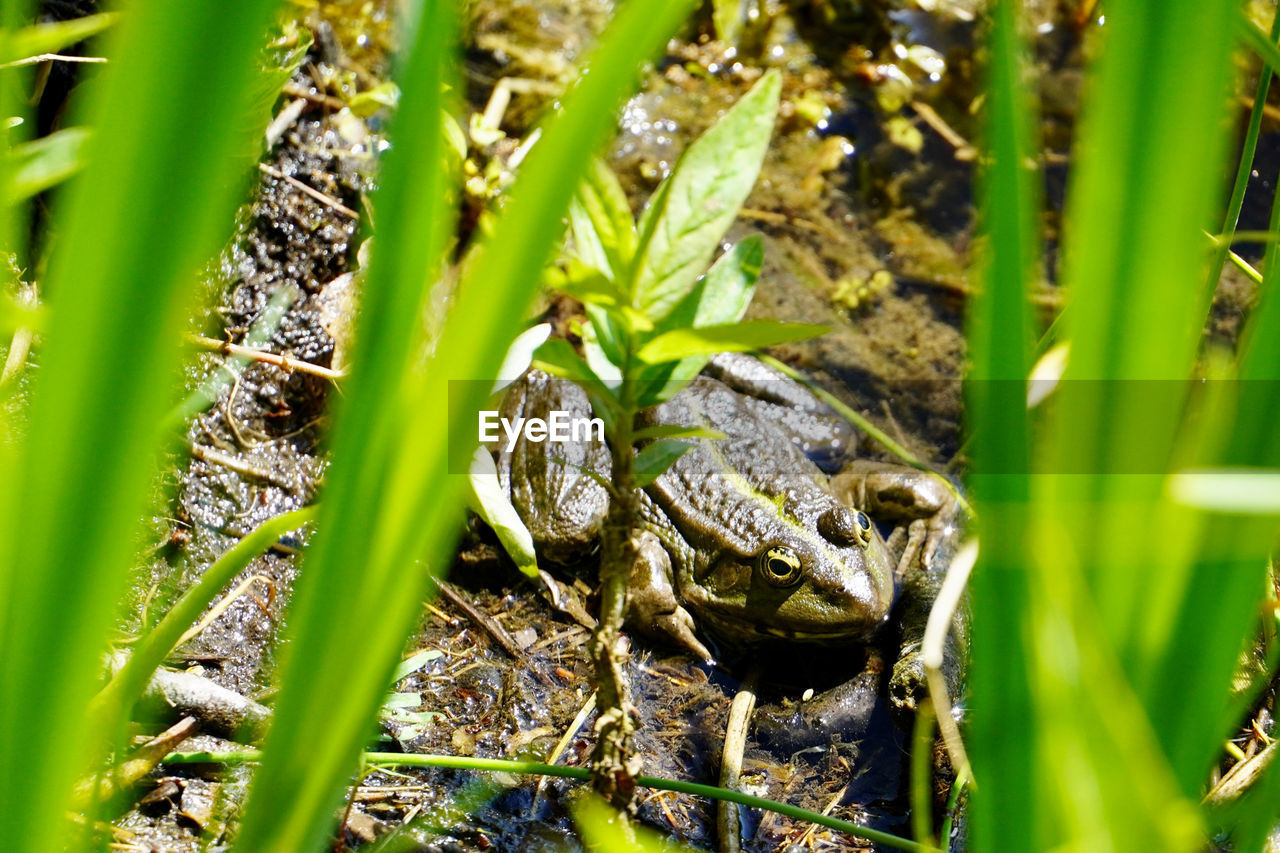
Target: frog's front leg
{"points": [[919, 500], [907, 684], [899, 494], [652, 604]]}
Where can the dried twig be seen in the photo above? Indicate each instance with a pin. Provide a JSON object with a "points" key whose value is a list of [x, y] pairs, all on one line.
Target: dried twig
{"points": [[483, 620], [52, 57], [964, 150], [932, 653], [728, 824], [284, 362], [323, 198]]}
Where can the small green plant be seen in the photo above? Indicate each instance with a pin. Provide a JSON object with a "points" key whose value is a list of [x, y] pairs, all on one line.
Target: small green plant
{"points": [[653, 322]]}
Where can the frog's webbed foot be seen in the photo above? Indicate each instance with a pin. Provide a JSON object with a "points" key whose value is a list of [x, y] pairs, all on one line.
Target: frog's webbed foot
{"points": [[652, 606], [900, 494]]}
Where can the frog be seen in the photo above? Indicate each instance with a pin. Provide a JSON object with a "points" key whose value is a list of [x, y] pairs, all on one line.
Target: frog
{"points": [[746, 538]]}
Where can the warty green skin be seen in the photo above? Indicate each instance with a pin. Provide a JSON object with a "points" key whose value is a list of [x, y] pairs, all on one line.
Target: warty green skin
{"points": [[714, 520], [748, 508]]}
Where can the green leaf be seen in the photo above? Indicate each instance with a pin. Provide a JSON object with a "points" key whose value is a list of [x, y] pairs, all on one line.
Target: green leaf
{"points": [[661, 385], [386, 95], [723, 294], [676, 431], [656, 458], [520, 355], [588, 247], [588, 283], [600, 221], [726, 17], [695, 205], [53, 37], [601, 830], [720, 297], [597, 357], [608, 332], [731, 337], [558, 358], [277, 63], [37, 165], [415, 662], [490, 502]]}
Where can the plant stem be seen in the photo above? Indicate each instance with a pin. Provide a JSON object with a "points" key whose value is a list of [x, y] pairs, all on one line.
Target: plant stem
{"points": [[614, 765], [499, 765]]}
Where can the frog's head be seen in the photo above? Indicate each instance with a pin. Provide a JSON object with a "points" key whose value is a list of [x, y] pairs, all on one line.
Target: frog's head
{"points": [[821, 573]]}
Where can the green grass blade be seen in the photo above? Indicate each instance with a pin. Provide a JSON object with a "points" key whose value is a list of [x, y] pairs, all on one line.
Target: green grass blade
{"points": [[1000, 340], [340, 607], [392, 498], [150, 209], [1220, 607], [54, 36], [1135, 274], [1245, 164], [117, 698], [500, 765], [1257, 41]]}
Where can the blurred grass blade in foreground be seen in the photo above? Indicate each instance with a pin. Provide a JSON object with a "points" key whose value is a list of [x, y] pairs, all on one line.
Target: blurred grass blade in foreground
{"points": [[1146, 183], [391, 499], [152, 206], [1130, 620], [1132, 610], [999, 336]]}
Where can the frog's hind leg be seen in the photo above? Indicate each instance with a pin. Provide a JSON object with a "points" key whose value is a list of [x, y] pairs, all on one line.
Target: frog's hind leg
{"points": [[901, 495]]}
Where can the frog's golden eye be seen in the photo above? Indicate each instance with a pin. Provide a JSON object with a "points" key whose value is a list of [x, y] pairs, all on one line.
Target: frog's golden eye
{"points": [[780, 565], [864, 529], [842, 526]]}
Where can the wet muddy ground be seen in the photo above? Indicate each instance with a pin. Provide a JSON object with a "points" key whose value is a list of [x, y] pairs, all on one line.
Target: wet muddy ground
{"points": [[865, 205]]}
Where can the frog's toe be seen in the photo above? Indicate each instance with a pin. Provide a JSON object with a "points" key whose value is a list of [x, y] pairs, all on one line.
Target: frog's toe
{"points": [[918, 544], [939, 528], [907, 684], [677, 626]]}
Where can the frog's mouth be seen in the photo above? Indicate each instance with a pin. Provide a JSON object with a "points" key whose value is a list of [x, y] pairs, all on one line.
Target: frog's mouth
{"points": [[730, 626], [839, 636]]}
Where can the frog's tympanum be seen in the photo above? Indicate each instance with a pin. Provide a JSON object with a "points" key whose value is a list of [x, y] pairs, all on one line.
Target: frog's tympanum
{"points": [[745, 538]]}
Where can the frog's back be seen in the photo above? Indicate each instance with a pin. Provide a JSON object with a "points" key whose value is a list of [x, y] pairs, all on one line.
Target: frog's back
{"points": [[560, 502]]}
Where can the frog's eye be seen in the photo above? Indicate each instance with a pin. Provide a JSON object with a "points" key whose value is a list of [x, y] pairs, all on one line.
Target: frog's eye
{"points": [[842, 526], [864, 528], [780, 565]]}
